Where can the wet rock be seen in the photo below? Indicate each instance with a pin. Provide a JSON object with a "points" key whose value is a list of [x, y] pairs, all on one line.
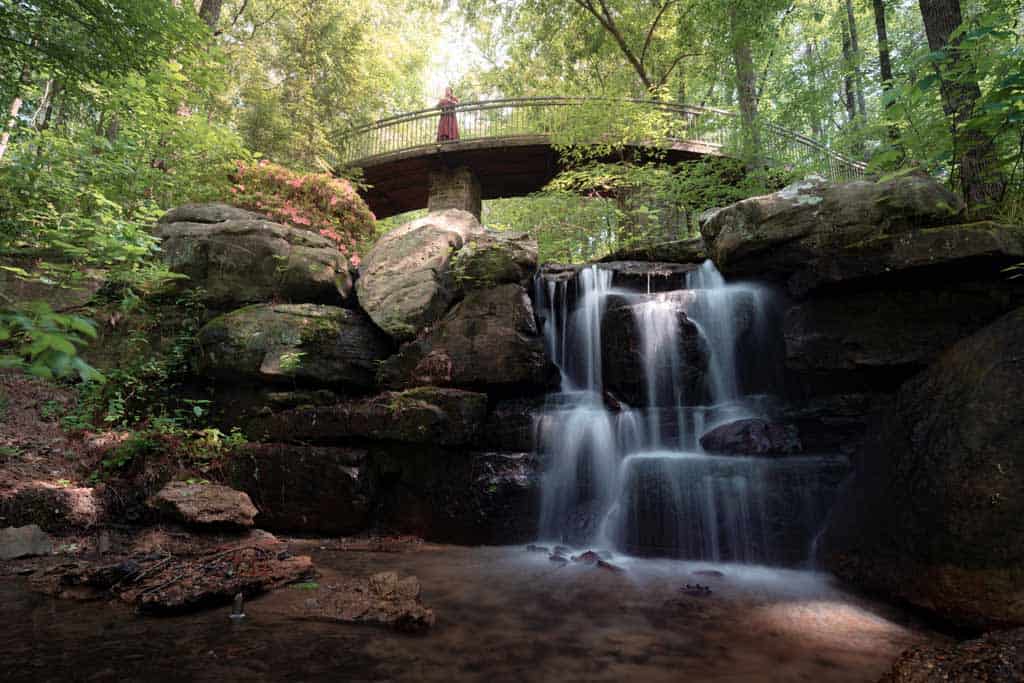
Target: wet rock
{"points": [[405, 281], [382, 600], [932, 513], [558, 558], [493, 258], [608, 566], [588, 557], [24, 541], [293, 342], [537, 549], [488, 341], [237, 257], [512, 424], [623, 354], [997, 656], [696, 590], [310, 489], [752, 437], [204, 505], [423, 415], [691, 250], [714, 573]]}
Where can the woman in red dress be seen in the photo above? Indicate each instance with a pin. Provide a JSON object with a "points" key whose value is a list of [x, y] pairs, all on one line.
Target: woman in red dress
{"points": [[448, 126]]}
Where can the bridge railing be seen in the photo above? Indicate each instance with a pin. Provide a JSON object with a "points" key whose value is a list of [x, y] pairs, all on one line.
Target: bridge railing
{"points": [[568, 119]]}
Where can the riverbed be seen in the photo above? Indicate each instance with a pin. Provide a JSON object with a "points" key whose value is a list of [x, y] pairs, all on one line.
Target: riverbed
{"points": [[502, 614]]}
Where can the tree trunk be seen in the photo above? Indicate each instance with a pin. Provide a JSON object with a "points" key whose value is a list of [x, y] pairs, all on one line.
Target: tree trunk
{"points": [[884, 58], [13, 111], [973, 153], [746, 85], [848, 97], [209, 12], [855, 54]]}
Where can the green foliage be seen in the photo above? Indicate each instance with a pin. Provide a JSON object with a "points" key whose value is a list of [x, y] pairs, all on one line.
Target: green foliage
{"points": [[309, 201], [45, 344]]}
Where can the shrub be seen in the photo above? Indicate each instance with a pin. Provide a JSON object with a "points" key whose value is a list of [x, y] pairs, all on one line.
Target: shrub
{"points": [[312, 201]]}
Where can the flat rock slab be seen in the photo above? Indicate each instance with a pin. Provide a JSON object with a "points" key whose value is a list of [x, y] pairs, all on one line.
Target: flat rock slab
{"points": [[209, 505], [381, 599], [24, 541], [172, 584]]}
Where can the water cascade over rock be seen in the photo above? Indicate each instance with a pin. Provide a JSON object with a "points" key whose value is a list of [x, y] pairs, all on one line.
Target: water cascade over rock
{"points": [[645, 373]]}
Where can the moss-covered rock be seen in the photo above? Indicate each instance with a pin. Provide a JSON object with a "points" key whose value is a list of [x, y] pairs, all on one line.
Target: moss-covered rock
{"points": [[296, 342], [422, 415], [236, 257], [493, 258]]}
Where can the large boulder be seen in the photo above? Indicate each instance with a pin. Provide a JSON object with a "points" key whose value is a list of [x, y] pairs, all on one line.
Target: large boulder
{"points": [[422, 415], [303, 342], [24, 541], [237, 257], [204, 505], [680, 364], [308, 489], [932, 514], [813, 233], [494, 258], [405, 281], [489, 340]]}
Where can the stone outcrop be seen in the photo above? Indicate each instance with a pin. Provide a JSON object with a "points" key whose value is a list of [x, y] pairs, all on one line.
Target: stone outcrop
{"points": [[294, 342], [458, 496], [405, 281], [423, 415], [813, 233], [24, 541], [492, 258], [932, 513], [238, 257], [489, 340], [752, 437], [622, 353], [204, 505], [304, 488]]}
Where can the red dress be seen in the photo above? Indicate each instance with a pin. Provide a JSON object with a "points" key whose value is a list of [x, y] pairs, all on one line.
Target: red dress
{"points": [[448, 126]]}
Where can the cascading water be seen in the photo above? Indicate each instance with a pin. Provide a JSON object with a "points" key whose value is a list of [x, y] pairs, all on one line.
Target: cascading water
{"points": [[627, 472]]}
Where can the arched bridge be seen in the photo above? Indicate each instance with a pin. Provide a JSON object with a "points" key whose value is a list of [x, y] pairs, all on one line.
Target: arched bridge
{"points": [[506, 147]]}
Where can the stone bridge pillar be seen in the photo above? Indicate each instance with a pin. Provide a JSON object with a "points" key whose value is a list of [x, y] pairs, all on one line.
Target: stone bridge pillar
{"points": [[454, 189]]}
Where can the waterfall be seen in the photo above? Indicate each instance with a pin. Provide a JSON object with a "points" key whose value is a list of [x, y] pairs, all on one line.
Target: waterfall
{"points": [[623, 465]]}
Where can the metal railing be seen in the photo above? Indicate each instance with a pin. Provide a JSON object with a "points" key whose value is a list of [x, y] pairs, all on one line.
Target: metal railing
{"points": [[568, 120]]}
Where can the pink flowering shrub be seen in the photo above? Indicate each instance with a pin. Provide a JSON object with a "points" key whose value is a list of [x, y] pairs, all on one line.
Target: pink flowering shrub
{"points": [[311, 201]]}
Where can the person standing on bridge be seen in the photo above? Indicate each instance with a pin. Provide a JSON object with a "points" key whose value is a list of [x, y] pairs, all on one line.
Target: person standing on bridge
{"points": [[448, 126]]}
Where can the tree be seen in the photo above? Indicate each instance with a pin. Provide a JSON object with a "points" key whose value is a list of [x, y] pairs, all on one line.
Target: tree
{"points": [[975, 152]]}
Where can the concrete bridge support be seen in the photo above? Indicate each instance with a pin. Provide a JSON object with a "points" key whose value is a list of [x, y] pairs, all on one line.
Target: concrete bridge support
{"points": [[457, 188]]}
